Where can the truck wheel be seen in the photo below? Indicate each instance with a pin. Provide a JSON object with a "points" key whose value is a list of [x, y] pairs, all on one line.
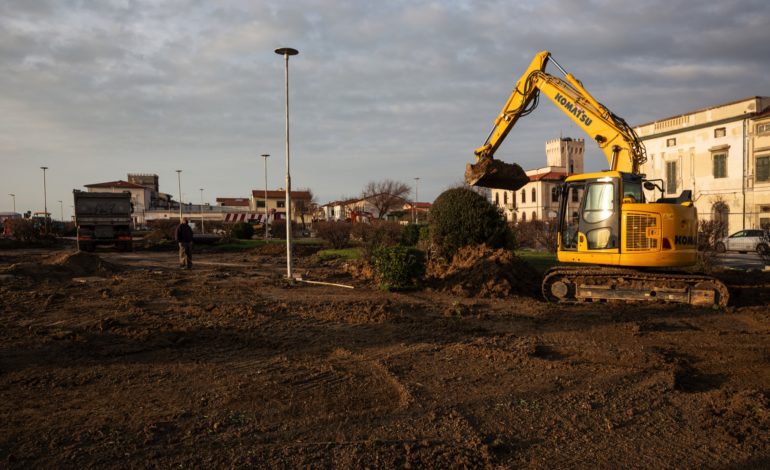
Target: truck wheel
{"points": [[125, 246], [720, 247]]}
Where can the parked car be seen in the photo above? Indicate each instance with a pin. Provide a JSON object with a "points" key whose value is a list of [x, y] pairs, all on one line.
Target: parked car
{"points": [[745, 241]]}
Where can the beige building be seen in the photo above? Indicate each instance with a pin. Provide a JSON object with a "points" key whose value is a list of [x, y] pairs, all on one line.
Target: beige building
{"points": [[721, 153], [275, 205], [539, 199]]}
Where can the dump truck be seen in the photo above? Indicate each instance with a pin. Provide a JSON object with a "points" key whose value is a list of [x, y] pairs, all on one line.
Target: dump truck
{"points": [[103, 219]]}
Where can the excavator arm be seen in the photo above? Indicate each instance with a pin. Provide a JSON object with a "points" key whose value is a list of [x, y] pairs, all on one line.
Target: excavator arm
{"points": [[614, 136]]}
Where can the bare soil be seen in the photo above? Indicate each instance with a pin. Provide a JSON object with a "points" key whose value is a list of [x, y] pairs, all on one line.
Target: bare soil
{"points": [[121, 360]]}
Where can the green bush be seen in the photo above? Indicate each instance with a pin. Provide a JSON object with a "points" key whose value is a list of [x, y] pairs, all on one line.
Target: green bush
{"points": [[242, 230], [411, 234], [459, 217], [336, 233], [398, 267], [376, 235]]}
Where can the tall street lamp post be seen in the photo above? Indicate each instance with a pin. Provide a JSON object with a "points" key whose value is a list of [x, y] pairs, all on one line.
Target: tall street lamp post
{"points": [[203, 228], [286, 52], [179, 183], [14, 201], [264, 222], [45, 201], [61, 211]]}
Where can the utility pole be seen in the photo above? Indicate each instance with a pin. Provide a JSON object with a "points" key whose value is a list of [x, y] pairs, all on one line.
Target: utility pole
{"points": [[14, 201], [203, 228], [179, 182], [45, 201], [61, 211], [264, 222]]}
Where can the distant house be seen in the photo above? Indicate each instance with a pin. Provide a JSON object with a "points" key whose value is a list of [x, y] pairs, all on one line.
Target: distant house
{"points": [[275, 205]]}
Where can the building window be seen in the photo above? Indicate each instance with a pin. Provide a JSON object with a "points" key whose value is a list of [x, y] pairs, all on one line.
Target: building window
{"points": [[763, 128], [497, 199], [720, 132], [505, 198], [763, 168], [575, 195], [671, 175], [523, 196], [534, 215], [280, 203], [555, 194], [534, 195], [719, 161], [261, 203], [671, 142]]}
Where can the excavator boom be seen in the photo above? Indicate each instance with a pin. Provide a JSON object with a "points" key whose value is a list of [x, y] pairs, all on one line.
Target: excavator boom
{"points": [[614, 136]]}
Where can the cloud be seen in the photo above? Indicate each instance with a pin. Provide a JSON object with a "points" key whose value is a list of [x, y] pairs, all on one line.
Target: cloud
{"points": [[380, 89]]}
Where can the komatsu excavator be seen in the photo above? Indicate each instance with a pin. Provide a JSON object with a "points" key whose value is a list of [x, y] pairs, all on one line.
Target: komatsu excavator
{"points": [[622, 246]]}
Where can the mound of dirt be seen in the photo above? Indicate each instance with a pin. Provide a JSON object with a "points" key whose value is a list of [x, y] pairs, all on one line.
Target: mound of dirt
{"points": [[65, 265], [480, 271]]}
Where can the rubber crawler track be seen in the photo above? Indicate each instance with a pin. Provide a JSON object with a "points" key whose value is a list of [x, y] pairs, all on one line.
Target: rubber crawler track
{"points": [[606, 276]]}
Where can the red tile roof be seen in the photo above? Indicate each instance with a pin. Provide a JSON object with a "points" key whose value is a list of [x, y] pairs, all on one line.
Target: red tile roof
{"points": [[115, 184], [260, 193], [550, 176], [233, 201]]}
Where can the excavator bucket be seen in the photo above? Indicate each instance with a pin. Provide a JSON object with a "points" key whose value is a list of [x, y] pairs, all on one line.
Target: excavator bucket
{"points": [[496, 174]]}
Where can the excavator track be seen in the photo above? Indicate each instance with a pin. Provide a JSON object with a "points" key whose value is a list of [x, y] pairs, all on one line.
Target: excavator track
{"points": [[591, 284]]}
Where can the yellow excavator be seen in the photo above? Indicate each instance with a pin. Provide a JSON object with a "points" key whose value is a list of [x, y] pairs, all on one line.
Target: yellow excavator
{"points": [[621, 246]]}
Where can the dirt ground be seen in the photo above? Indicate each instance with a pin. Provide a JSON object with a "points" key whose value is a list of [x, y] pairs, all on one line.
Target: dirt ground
{"points": [[125, 361]]}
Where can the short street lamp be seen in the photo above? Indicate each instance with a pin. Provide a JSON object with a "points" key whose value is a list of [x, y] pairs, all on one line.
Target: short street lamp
{"points": [[45, 201], [179, 183], [264, 221], [203, 229]]}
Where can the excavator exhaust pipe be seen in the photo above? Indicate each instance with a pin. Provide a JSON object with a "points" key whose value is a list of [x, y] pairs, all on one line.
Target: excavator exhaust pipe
{"points": [[495, 174]]}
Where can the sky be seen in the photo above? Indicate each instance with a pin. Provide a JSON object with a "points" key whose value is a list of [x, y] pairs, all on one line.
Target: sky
{"points": [[380, 89]]}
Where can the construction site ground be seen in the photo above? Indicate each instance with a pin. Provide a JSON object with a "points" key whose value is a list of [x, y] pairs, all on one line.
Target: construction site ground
{"points": [[124, 360]]}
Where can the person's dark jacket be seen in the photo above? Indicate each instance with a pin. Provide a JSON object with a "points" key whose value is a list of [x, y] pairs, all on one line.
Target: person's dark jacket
{"points": [[184, 233]]}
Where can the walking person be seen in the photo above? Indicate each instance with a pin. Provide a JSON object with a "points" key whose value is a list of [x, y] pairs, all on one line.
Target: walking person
{"points": [[184, 236]]}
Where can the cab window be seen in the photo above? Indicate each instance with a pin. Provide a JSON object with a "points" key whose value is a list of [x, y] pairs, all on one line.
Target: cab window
{"points": [[599, 202], [633, 191]]}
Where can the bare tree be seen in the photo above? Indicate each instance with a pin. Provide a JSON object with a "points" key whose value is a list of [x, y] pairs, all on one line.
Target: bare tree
{"points": [[303, 208], [385, 195]]}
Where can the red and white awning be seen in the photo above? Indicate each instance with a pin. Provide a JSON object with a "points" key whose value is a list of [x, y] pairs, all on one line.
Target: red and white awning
{"points": [[243, 217]]}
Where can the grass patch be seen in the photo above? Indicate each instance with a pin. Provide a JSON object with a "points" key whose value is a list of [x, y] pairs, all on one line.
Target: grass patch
{"points": [[540, 260], [346, 254]]}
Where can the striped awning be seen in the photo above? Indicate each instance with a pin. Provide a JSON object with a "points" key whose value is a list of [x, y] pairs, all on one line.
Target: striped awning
{"points": [[244, 217]]}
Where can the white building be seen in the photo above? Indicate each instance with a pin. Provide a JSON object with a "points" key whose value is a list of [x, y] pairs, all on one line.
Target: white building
{"points": [[539, 199], [721, 153]]}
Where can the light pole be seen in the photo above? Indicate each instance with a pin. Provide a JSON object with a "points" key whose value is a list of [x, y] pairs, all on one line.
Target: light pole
{"points": [[264, 222], [416, 188], [203, 228], [179, 183], [45, 201], [61, 211], [286, 52], [14, 201]]}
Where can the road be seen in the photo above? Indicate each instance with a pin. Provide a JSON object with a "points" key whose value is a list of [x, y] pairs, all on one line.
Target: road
{"points": [[740, 261]]}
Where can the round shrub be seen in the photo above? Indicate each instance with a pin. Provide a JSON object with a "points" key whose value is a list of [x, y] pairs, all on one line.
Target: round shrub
{"points": [[242, 230], [336, 233], [398, 267], [410, 235], [460, 217]]}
